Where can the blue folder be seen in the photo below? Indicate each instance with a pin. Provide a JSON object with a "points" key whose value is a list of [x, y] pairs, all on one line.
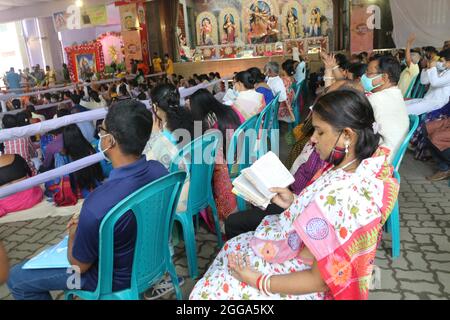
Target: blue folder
{"points": [[51, 258]]}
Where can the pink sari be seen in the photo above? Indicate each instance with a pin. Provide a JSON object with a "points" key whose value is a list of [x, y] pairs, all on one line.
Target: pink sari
{"points": [[21, 201]]}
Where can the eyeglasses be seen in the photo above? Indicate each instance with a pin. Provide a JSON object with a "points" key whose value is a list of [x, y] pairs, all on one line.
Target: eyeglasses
{"points": [[100, 128]]}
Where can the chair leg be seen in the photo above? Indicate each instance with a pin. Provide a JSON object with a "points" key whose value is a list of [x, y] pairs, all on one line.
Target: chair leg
{"points": [[189, 242], [216, 222], [395, 230], [174, 277]]}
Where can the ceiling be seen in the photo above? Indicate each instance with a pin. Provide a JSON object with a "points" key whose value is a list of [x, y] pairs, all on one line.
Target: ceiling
{"points": [[11, 4]]}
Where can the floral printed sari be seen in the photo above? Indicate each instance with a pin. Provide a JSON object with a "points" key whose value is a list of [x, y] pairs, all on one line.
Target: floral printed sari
{"points": [[338, 217]]}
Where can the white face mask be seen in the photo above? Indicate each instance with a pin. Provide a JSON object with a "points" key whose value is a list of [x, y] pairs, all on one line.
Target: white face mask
{"points": [[441, 66], [103, 152]]}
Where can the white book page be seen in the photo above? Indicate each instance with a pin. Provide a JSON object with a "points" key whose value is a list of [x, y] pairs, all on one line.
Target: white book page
{"points": [[269, 172]]}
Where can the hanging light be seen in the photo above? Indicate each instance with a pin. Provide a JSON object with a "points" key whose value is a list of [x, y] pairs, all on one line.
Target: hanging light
{"points": [[79, 3]]}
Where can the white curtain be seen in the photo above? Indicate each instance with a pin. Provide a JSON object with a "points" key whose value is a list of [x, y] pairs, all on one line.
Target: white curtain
{"points": [[428, 19]]}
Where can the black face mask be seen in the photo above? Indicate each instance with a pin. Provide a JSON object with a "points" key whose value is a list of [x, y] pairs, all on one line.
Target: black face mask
{"points": [[337, 154]]}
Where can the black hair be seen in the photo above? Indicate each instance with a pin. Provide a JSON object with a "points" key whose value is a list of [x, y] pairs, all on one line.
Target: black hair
{"points": [[9, 121], [288, 67], [203, 103], [94, 96], [246, 79], [192, 82], [357, 69], [77, 147], [167, 98], [30, 108], [123, 89], [350, 109], [430, 49], [376, 56], [445, 54], [142, 96], [130, 123], [22, 119], [257, 75], [33, 100], [62, 113], [16, 104], [390, 66], [341, 60], [76, 99], [218, 75]]}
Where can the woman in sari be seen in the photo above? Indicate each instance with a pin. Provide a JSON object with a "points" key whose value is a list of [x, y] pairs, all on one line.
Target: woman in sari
{"points": [[164, 143], [215, 115], [323, 245], [285, 112]]}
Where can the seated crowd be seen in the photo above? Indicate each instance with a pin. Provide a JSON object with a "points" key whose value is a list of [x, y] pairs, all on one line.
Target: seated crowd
{"points": [[305, 245]]}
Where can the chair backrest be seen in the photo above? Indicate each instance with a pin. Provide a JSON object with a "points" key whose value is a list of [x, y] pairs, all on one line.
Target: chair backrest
{"points": [[200, 158], [241, 148], [296, 103], [408, 93], [414, 123], [268, 118], [154, 207], [268, 122]]}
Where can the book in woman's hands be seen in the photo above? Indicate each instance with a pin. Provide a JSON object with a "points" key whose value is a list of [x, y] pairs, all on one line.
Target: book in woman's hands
{"points": [[254, 183]]}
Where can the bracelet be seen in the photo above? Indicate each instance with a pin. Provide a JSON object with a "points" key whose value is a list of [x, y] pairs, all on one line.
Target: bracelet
{"points": [[335, 67], [329, 78], [258, 282]]}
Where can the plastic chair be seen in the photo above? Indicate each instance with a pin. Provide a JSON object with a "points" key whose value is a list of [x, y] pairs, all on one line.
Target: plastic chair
{"points": [[296, 106], [241, 151], [154, 207], [200, 157], [393, 223], [408, 93], [268, 122]]}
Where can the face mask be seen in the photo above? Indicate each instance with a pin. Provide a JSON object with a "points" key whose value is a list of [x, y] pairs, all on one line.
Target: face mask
{"points": [[368, 82], [103, 152], [337, 154], [441, 66]]}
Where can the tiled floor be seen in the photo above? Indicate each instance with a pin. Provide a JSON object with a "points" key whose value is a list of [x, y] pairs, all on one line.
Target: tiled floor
{"points": [[422, 271]]}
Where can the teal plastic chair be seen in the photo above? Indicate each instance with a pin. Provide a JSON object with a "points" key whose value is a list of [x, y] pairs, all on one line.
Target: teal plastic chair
{"points": [[268, 121], [409, 92], [296, 106], [393, 223], [241, 152], [199, 157], [419, 90], [154, 207]]}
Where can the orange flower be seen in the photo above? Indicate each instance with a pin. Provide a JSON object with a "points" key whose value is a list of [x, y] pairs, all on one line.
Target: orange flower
{"points": [[340, 271], [268, 251], [343, 232], [225, 247], [225, 288]]}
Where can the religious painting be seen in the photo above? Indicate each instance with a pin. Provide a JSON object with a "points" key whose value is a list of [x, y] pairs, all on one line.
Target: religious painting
{"points": [[299, 44], [60, 20], [319, 14], [129, 17], [228, 52], [292, 18], [112, 45], [229, 25], [260, 19], [207, 29], [85, 60]]}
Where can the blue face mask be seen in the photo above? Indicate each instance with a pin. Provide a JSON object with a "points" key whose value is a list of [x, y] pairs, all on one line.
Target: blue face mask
{"points": [[367, 82], [103, 152]]}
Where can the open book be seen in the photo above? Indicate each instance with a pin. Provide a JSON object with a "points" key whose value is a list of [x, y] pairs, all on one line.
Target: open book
{"points": [[254, 183]]}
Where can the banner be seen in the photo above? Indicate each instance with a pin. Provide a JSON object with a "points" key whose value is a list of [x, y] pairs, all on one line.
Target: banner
{"points": [[428, 19], [94, 16], [361, 37]]}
